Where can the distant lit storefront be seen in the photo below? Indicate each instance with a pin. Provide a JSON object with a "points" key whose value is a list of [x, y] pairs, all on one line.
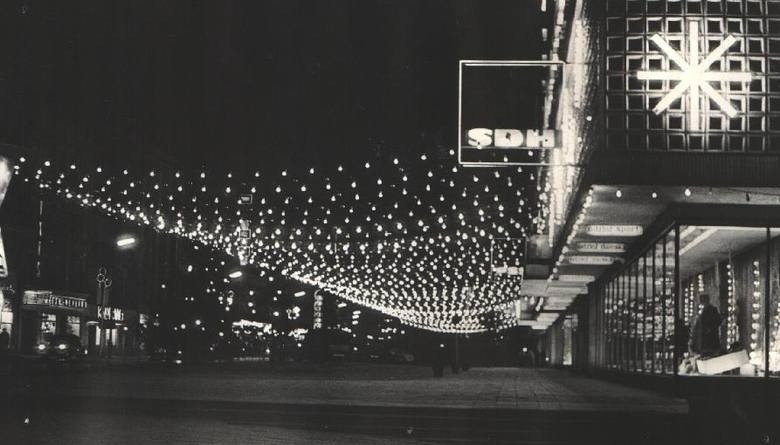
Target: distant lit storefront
{"points": [[45, 313], [113, 331]]}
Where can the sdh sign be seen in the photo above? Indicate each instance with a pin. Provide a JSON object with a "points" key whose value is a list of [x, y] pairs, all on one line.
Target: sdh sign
{"points": [[504, 112]]}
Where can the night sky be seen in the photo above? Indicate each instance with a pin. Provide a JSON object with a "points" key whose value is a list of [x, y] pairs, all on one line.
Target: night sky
{"points": [[228, 83]]}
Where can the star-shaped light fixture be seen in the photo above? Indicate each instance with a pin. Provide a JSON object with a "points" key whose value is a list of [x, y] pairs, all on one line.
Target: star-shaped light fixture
{"points": [[694, 75]]}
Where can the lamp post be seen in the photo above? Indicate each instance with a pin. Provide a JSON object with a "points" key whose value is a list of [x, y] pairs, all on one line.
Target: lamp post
{"points": [[104, 283]]}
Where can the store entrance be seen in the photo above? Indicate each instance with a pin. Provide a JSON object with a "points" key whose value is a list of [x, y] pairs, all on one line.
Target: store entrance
{"points": [[29, 331], [92, 339]]}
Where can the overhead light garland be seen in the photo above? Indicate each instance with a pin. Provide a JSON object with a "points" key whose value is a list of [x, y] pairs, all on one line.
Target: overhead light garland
{"points": [[410, 240], [732, 330], [756, 356]]}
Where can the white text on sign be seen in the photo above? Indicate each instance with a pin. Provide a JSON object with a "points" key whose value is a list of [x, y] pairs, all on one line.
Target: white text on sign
{"points": [[510, 138]]}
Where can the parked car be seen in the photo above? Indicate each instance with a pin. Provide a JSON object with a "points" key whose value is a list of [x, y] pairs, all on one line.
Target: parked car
{"points": [[64, 347]]}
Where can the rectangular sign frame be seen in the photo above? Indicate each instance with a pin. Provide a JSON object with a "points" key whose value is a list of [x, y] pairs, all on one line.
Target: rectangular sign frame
{"points": [[499, 63]]}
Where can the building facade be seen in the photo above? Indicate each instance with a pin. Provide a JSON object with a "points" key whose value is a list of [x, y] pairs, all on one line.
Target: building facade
{"points": [[669, 237]]}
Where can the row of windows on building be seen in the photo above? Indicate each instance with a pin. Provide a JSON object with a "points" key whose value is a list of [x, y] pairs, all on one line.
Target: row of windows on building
{"points": [[708, 304]]}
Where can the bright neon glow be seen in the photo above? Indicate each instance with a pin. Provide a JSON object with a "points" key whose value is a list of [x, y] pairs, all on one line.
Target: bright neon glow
{"points": [[126, 242], [694, 75]]}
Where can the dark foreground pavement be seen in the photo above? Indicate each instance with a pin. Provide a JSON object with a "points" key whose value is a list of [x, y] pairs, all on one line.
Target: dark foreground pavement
{"points": [[292, 403]]}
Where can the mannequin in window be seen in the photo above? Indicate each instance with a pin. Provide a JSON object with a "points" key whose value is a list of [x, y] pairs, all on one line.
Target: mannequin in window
{"points": [[705, 335]]}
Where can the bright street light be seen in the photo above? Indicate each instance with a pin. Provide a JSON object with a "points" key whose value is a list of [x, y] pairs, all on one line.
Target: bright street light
{"points": [[126, 241], [236, 274]]}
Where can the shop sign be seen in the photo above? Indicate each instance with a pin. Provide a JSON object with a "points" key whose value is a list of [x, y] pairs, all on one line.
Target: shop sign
{"points": [[317, 311], [602, 247], [501, 120], [510, 138], [51, 300], [577, 278], [508, 270], [110, 313], [614, 230], [592, 260]]}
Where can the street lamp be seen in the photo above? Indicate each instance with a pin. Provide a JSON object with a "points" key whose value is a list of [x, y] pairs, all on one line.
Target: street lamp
{"points": [[236, 274], [126, 241]]}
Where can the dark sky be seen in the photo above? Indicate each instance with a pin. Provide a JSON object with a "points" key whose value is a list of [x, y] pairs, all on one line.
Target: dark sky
{"points": [[263, 82]]}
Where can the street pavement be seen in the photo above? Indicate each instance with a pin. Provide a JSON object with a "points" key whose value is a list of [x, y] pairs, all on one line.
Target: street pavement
{"points": [[338, 403], [362, 384], [62, 427]]}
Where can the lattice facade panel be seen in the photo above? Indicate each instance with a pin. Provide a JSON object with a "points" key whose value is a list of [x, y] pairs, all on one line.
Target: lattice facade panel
{"points": [[629, 119]]}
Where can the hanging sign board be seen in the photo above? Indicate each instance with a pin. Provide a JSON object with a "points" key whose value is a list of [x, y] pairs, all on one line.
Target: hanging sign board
{"points": [[626, 230], [317, 311], [501, 109], [601, 247], [507, 256], [592, 260], [577, 278]]}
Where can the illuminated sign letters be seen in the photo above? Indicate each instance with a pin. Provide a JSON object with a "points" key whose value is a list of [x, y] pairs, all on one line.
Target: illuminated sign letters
{"points": [[592, 260], [504, 113], [49, 299], [601, 247], [510, 138], [613, 230]]}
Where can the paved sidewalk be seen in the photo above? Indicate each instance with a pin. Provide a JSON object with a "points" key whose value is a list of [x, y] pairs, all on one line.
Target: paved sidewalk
{"points": [[101, 428], [370, 385]]}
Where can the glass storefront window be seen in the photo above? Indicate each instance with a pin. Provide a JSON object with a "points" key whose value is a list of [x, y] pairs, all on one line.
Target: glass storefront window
{"points": [[631, 316], [621, 325], [774, 286], [623, 297], [48, 324], [6, 313], [640, 319], [722, 301], [610, 325], [73, 325], [725, 320], [648, 312], [659, 306], [669, 298]]}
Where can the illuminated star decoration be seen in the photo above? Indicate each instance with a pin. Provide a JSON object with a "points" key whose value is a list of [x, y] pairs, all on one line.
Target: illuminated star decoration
{"points": [[694, 75]]}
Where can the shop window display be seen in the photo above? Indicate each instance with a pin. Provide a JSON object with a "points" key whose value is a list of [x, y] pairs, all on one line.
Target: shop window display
{"points": [[634, 315], [74, 325], [668, 278], [658, 307], [48, 324], [648, 313], [774, 301], [722, 300], [6, 313]]}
